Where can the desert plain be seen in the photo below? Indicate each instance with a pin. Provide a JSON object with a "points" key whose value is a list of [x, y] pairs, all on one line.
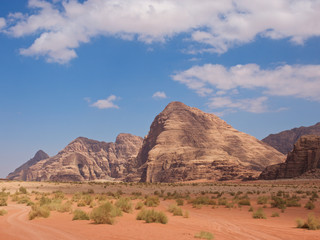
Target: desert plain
{"points": [[223, 210]]}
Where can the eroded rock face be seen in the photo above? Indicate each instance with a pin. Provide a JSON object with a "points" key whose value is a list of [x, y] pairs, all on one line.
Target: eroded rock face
{"points": [[185, 144], [304, 159], [285, 140], [86, 159], [20, 172]]}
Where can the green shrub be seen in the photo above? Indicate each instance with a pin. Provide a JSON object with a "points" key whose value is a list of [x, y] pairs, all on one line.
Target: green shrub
{"points": [[175, 210], [203, 200], [139, 205], [259, 214], [244, 202], [293, 202], [124, 204], [152, 216], [3, 212], [222, 201], [65, 207], [23, 190], [204, 235], [3, 201], [262, 200], [39, 211], [250, 209], [24, 200], [275, 214], [312, 223], [186, 214], [278, 202], [58, 195], [179, 202], [309, 205], [152, 201], [105, 213], [79, 214]]}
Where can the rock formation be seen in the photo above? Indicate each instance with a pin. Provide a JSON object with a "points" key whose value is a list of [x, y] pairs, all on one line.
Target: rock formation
{"points": [[285, 140], [20, 172], [185, 144], [304, 159], [86, 159]]}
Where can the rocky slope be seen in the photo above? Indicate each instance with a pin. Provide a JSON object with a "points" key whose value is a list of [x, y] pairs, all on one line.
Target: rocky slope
{"points": [[86, 159], [20, 172], [304, 159], [185, 144], [285, 140]]}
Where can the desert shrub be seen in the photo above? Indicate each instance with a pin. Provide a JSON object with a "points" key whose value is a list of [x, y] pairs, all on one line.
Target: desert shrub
{"points": [[76, 197], [244, 202], [23, 190], [186, 214], [139, 205], [58, 195], [309, 205], [278, 202], [293, 202], [152, 201], [152, 216], [44, 201], [175, 210], [3, 212], [65, 207], [250, 209], [105, 213], [179, 202], [259, 214], [79, 214], [275, 214], [203, 200], [124, 204], [39, 211], [3, 201], [222, 201], [204, 235], [229, 205], [101, 197], [262, 200], [312, 223], [24, 200]]}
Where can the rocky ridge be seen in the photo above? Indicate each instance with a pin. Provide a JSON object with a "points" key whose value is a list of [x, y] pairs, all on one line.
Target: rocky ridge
{"points": [[285, 140], [85, 159], [303, 161], [186, 144]]}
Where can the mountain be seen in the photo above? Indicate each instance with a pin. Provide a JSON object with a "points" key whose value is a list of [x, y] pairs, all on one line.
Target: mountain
{"points": [[20, 172], [185, 144], [285, 140], [304, 159], [86, 159]]}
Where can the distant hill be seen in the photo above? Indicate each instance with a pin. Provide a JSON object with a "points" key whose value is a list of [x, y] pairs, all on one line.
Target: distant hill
{"points": [[285, 140]]}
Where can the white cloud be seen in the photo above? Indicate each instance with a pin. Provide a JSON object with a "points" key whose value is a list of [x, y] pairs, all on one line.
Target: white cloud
{"points": [[2, 23], [106, 103], [218, 83], [159, 95], [61, 26]]}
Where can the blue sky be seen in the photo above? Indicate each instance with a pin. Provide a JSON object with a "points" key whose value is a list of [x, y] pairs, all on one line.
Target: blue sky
{"points": [[98, 68]]}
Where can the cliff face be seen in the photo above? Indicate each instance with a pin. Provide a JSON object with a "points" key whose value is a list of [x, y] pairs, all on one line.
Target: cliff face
{"points": [[185, 143], [303, 159], [20, 172], [86, 159], [285, 140]]}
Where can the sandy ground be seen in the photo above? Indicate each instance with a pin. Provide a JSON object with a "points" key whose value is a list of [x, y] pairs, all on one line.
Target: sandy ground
{"points": [[224, 223]]}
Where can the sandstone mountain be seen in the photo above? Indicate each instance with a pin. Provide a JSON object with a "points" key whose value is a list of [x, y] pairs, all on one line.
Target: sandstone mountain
{"points": [[304, 159], [86, 159], [20, 172], [285, 140], [185, 144]]}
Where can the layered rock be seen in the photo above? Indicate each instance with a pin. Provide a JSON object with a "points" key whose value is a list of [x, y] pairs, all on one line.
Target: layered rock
{"points": [[21, 172], [303, 160], [85, 159], [185, 144], [285, 140]]}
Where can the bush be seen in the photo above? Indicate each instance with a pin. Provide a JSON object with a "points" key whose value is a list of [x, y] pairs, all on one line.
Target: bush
{"points": [[152, 216], [152, 201], [3, 212], [278, 202], [275, 214], [65, 207], [309, 205], [204, 235], [259, 214], [244, 202], [186, 214], [180, 202], [3, 201], [124, 204], [262, 200], [105, 213], [39, 211], [312, 223], [250, 209], [139, 205], [175, 210], [293, 202], [222, 201], [203, 200], [23, 190], [79, 214]]}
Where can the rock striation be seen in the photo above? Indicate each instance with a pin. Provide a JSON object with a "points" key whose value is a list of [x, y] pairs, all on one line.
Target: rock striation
{"points": [[285, 140], [21, 172], [85, 159], [303, 160], [186, 144]]}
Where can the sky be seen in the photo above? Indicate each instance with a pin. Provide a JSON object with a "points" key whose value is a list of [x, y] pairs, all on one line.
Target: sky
{"points": [[97, 68]]}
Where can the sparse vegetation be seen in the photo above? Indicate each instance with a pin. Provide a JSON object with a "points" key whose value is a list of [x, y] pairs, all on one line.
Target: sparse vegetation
{"points": [[175, 210], [39, 211], [204, 235], [152, 201], [3, 212], [312, 223], [105, 213], [309, 205], [79, 214], [152, 216], [259, 214], [275, 214]]}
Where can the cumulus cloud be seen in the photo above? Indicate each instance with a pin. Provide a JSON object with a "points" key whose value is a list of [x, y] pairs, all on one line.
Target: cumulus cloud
{"points": [[223, 85], [106, 103], [159, 95], [2, 23], [61, 26]]}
